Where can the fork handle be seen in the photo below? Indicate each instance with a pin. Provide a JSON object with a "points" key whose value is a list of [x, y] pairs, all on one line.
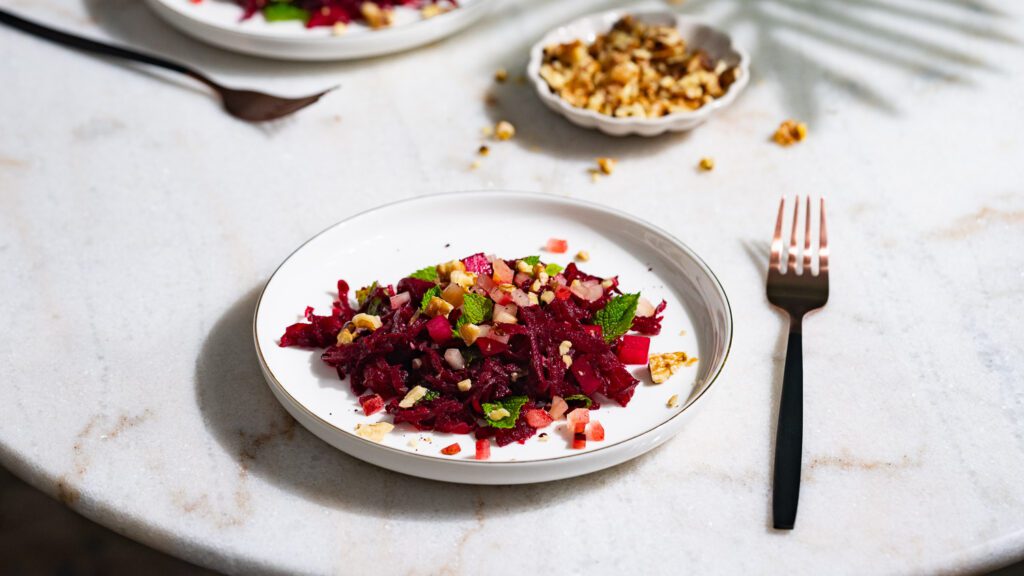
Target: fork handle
{"points": [[789, 437], [93, 46]]}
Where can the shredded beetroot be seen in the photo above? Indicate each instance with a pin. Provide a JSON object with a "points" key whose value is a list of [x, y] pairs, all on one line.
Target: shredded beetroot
{"points": [[415, 347]]}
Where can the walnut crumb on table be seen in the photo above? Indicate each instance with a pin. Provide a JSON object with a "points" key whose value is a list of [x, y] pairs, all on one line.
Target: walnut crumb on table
{"points": [[500, 75], [583, 256], [606, 165], [707, 164], [790, 132], [484, 150], [673, 402], [504, 130]]}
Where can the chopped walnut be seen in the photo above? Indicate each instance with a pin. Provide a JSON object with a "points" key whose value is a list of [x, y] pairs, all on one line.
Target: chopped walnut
{"points": [[464, 385], [664, 365], [606, 165], [367, 321], [790, 132], [469, 333], [583, 256], [444, 271], [374, 432], [438, 307], [500, 75], [431, 10], [483, 150], [635, 69], [375, 16], [504, 130], [707, 164], [673, 401], [412, 397]]}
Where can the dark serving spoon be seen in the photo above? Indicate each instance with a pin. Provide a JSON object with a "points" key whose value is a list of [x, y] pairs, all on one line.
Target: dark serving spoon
{"points": [[248, 105]]}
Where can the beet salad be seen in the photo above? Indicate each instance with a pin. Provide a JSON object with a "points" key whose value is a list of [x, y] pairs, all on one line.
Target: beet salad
{"points": [[486, 346]]}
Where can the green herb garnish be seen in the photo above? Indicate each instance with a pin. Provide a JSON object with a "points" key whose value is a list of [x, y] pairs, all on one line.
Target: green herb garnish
{"points": [[587, 402], [281, 11], [513, 404], [532, 260], [475, 309], [429, 273], [617, 316], [430, 395], [553, 269], [435, 291]]}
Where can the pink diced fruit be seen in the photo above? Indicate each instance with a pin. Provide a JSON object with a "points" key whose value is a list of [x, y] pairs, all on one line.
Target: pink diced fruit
{"points": [[538, 418], [557, 246]]}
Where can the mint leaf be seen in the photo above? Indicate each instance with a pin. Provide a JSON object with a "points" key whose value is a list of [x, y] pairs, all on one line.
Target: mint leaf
{"points": [[532, 260], [281, 11], [617, 316], [553, 269], [475, 309], [429, 273], [430, 395], [580, 398], [436, 291], [513, 404]]}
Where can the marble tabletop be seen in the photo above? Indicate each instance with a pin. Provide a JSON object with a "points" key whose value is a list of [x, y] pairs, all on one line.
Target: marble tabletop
{"points": [[138, 222]]}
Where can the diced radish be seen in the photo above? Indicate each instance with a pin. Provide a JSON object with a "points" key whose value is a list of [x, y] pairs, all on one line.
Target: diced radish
{"points": [[594, 330], [372, 403], [537, 418], [490, 346], [590, 293], [521, 279], [558, 407], [451, 449], [440, 330], [520, 298], [399, 300], [557, 245], [483, 449], [585, 375], [595, 431], [499, 335], [579, 416], [633, 349], [454, 359], [559, 280], [486, 283], [644, 308], [500, 296], [502, 273], [505, 313], [478, 263], [563, 293]]}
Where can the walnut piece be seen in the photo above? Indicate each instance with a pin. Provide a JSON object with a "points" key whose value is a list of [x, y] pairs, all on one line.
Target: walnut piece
{"points": [[662, 366], [790, 132]]}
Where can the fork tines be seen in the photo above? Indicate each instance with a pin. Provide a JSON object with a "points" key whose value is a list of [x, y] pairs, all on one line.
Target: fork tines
{"points": [[800, 252]]}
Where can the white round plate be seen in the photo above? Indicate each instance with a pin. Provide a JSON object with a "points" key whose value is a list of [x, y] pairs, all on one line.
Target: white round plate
{"points": [[389, 242], [697, 34], [218, 22]]}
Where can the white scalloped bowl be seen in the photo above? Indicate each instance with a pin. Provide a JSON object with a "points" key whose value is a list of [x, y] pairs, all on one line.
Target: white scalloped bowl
{"points": [[697, 34]]}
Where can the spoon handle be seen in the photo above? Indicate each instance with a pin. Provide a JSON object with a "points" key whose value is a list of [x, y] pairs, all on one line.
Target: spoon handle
{"points": [[93, 46]]}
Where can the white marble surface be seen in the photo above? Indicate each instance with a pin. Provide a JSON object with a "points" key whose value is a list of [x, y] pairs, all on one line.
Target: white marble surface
{"points": [[137, 223]]}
